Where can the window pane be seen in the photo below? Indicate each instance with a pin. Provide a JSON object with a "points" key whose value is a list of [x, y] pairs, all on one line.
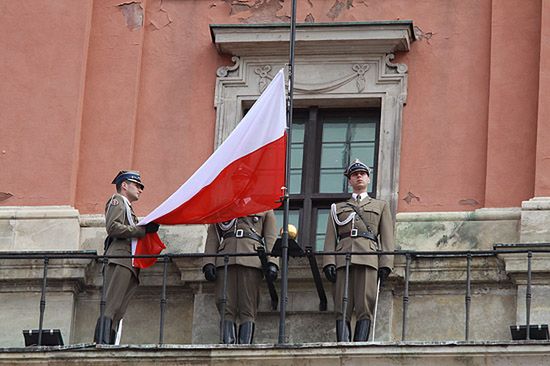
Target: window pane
{"points": [[332, 181], [363, 151], [298, 128], [322, 218], [345, 139], [293, 218], [297, 154], [333, 155], [334, 132], [363, 131], [295, 181]]}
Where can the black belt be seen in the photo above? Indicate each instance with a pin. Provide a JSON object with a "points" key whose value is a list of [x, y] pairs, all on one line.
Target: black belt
{"points": [[363, 234], [243, 234]]}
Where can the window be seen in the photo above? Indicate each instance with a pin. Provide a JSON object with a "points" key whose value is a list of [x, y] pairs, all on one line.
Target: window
{"points": [[324, 142], [339, 66]]}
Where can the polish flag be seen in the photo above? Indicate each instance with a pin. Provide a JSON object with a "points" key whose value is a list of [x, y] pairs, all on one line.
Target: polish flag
{"points": [[243, 176]]}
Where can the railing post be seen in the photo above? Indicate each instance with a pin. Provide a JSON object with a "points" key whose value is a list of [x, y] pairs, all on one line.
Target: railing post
{"points": [[43, 300], [528, 297], [406, 295], [224, 297], [163, 298], [468, 297]]}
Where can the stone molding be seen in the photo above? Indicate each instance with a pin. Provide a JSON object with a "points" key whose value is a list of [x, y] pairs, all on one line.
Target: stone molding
{"points": [[535, 220], [472, 230], [38, 212], [453, 353], [313, 38], [39, 228]]}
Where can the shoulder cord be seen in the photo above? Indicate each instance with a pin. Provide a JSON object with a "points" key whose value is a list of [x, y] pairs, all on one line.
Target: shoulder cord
{"points": [[337, 220], [227, 226], [129, 213], [131, 222]]}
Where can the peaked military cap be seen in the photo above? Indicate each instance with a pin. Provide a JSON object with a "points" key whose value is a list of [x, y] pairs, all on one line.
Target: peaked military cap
{"points": [[356, 166], [128, 175]]}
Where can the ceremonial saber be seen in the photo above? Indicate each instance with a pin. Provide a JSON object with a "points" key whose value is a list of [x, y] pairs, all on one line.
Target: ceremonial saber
{"points": [[375, 311]]}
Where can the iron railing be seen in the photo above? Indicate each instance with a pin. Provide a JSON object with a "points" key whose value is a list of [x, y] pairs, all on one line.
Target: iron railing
{"points": [[165, 259]]}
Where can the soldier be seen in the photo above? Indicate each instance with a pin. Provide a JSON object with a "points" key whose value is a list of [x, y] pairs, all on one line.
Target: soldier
{"points": [[121, 278], [361, 224], [244, 274]]}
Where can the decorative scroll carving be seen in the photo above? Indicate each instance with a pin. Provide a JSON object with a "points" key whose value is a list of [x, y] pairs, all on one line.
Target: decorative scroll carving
{"points": [[223, 71], [321, 88], [401, 68], [265, 78], [317, 88]]}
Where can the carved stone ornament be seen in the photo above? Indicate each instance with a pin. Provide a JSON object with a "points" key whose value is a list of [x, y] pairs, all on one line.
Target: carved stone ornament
{"points": [[401, 68], [223, 71], [265, 78], [358, 75]]}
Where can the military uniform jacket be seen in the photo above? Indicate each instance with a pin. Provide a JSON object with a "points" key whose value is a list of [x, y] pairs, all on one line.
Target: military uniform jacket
{"points": [[378, 219], [122, 232], [262, 224]]}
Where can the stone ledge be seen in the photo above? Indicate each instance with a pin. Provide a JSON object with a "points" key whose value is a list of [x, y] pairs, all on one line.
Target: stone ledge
{"points": [[410, 353], [536, 203], [475, 230], [32, 269], [37, 212], [482, 214]]}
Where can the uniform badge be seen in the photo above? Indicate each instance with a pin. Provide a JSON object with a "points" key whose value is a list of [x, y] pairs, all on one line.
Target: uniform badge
{"points": [[255, 219], [114, 202]]}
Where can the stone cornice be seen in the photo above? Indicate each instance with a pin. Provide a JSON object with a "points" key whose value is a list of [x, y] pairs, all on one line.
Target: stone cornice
{"points": [[314, 38]]}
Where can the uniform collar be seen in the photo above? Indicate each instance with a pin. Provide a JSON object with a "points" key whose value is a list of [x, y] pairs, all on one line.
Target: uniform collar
{"points": [[363, 196], [126, 200]]}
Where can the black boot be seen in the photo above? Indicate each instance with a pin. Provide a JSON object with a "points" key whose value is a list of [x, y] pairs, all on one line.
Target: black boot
{"points": [[362, 328], [105, 337], [229, 332], [346, 335], [246, 333], [112, 340]]}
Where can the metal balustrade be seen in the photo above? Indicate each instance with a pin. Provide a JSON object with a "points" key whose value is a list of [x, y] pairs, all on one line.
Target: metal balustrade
{"points": [[410, 256]]}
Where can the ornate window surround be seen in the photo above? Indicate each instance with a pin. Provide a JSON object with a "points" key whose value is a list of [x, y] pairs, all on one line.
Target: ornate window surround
{"points": [[336, 65]]}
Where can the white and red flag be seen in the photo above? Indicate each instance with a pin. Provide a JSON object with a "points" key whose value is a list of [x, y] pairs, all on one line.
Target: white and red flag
{"points": [[242, 177]]}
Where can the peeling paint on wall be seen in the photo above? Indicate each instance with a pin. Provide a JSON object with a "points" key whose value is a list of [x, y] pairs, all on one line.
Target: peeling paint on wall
{"points": [[411, 196], [158, 16], [257, 11], [133, 14], [5, 195], [421, 35], [338, 7]]}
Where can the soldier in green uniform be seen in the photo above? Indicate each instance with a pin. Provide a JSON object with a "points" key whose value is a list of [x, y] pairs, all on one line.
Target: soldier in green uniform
{"points": [[121, 278], [360, 224], [244, 274]]}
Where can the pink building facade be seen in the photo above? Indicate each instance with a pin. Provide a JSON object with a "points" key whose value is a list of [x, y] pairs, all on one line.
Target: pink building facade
{"points": [[451, 97]]}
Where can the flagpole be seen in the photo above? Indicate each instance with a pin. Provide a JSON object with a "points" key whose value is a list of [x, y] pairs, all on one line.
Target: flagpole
{"points": [[286, 200]]}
